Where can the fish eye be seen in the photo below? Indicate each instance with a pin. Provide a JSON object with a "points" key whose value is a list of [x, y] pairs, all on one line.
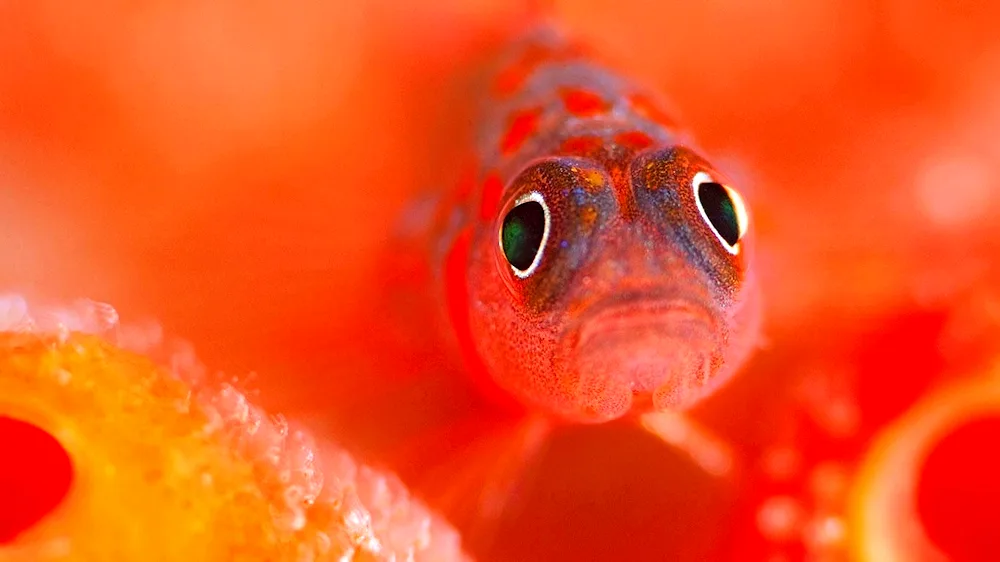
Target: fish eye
{"points": [[723, 210], [524, 232]]}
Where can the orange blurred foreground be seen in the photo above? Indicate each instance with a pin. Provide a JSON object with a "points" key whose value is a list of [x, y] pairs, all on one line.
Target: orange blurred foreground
{"points": [[108, 456]]}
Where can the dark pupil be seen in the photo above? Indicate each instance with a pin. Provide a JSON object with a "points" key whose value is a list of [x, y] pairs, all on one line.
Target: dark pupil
{"points": [[521, 235], [720, 210]]}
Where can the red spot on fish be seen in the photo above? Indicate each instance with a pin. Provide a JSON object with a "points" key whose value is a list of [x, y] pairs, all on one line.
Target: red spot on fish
{"points": [[522, 125], [581, 146], [636, 140], [455, 274], [582, 103], [35, 476], [512, 78], [466, 181], [492, 189], [648, 109]]}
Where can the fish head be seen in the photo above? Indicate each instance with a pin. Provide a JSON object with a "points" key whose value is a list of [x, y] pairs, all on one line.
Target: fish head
{"points": [[601, 289]]}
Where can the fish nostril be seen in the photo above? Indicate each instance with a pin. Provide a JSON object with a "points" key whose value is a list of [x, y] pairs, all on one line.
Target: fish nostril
{"points": [[35, 476]]}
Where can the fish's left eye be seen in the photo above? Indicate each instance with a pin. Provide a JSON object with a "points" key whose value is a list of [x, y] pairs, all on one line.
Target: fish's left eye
{"points": [[723, 210]]}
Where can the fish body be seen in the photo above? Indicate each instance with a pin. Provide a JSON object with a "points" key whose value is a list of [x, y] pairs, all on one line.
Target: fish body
{"points": [[592, 263]]}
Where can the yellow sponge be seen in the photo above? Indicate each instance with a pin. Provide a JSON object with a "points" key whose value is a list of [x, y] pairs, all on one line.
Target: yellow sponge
{"points": [[111, 457]]}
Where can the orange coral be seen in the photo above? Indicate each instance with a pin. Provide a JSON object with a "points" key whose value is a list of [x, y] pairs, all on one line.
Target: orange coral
{"points": [[167, 466]]}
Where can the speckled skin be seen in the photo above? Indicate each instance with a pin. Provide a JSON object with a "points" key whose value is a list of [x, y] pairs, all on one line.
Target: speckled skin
{"points": [[635, 305]]}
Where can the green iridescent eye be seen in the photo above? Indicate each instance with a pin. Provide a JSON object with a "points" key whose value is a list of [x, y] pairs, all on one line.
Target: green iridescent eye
{"points": [[723, 210], [523, 234]]}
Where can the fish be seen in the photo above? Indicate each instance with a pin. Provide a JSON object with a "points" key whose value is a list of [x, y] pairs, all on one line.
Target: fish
{"points": [[590, 264]]}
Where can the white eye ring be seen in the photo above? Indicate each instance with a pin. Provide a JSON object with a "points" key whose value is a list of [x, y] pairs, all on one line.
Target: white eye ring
{"points": [[739, 206], [537, 198]]}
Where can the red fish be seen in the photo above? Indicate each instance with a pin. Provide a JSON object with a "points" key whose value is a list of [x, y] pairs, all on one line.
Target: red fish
{"points": [[593, 265]]}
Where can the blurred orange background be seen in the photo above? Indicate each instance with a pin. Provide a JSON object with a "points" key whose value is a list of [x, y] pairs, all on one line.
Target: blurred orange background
{"points": [[232, 169]]}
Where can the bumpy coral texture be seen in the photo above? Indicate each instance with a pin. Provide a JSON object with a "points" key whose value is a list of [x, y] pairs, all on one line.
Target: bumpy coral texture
{"points": [[170, 465]]}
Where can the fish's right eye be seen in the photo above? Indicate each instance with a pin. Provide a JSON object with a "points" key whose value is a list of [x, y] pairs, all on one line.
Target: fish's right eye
{"points": [[524, 233], [723, 210]]}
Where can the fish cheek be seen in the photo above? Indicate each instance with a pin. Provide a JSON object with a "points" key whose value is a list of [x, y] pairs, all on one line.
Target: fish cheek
{"points": [[521, 329], [511, 340]]}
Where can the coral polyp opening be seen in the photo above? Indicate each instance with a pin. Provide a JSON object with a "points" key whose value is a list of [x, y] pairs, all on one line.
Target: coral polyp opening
{"points": [[958, 493], [35, 475]]}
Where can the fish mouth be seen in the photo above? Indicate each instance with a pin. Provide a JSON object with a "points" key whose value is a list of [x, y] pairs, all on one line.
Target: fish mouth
{"points": [[643, 347]]}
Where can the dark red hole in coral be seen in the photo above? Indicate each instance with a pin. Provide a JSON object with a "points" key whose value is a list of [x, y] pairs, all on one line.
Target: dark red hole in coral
{"points": [[958, 495], [35, 475]]}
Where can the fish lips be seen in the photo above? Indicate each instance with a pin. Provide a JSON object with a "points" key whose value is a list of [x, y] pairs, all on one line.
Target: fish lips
{"points": [[642, 348]]}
